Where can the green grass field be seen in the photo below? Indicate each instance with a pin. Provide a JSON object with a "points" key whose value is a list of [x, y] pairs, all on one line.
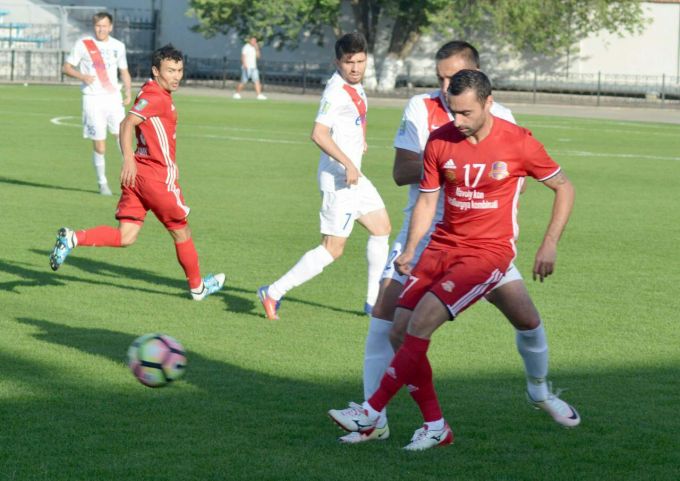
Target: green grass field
{"points": [[253, 402]]}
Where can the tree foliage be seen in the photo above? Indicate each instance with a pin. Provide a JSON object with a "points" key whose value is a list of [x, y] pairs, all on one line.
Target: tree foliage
{"points": [[276, 23], [541, 26], [534, 26]]}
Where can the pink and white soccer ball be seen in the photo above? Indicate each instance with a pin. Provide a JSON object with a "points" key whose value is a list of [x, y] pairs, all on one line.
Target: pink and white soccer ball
{"points": [[156, 359]]}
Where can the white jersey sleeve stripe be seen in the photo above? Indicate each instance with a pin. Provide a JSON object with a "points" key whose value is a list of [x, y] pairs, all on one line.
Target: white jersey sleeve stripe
{"points": [[550, 176]]}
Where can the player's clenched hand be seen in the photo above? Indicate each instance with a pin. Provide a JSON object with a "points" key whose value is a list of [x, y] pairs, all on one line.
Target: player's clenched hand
{"points": [[352, 175], [89, 79], [128, 173], [544, 264], [127, 98], [403, 263]]}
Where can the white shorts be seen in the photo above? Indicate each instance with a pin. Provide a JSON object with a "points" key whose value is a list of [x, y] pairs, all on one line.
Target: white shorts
{"points": [[340, 208], [512, 274], [100, 112]]}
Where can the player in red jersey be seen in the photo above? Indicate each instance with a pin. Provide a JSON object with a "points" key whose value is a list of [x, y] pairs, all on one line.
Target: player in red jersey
{"points": [[149, 178], [481, 161]]}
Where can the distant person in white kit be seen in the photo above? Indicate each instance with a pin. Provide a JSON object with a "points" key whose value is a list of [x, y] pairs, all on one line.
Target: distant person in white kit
{"points": [[249, 55], [96, 62]]}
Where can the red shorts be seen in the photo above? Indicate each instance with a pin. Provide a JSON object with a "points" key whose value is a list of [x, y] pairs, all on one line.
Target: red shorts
{"points": [[152, 193], [459, 277]]}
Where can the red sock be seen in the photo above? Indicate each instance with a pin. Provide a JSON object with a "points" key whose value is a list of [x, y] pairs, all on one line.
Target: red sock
{"points": [[102, 236], [188, 259], [423, 393], [403, 369]]}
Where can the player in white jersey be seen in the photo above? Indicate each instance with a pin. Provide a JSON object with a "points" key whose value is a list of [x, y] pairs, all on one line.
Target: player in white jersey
{"points": [[422, 115], [347, 196], [96, 62]]}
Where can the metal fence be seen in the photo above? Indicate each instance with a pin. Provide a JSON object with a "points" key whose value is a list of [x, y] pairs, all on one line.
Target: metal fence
{"points": [[21, 65], [55, 27]]}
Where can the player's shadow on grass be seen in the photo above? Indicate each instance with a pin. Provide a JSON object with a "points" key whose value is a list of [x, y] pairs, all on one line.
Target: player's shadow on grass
{"points": [[38, 278], [233, 302], [33, 277], [230, 415], [207, 374], [25, 183]]}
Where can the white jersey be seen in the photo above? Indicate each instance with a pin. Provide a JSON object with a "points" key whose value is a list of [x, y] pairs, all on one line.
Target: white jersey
{"points": [[250, 54], [343, 109], [113, 56], [423, 114]]}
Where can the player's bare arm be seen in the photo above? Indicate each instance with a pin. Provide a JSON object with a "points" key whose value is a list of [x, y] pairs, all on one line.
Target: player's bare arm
{"points": [[127, 85], [408, 167], [421, 220], [71, 71], [128, 172], [544, 263], [321, 136]]}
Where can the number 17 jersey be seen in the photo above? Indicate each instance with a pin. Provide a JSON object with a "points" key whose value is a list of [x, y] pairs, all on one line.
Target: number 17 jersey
{"points": [[482, 183]]}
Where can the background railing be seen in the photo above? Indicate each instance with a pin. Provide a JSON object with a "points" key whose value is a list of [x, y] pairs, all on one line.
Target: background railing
{"points": [[44, 65]]}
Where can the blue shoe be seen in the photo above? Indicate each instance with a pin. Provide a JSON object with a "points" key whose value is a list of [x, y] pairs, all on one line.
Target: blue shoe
{"points": [[211, 284], [62, 247], [368, 308], [271, 306]]}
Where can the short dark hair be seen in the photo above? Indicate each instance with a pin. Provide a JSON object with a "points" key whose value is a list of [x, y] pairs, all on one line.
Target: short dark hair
{"points": [[471, 79], [166, 52], [461, 48], [350, 43], [101, 16]]}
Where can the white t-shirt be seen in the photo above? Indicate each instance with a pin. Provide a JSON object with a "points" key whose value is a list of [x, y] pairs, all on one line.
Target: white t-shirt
{"points": [[250, 54], [343, 109], [113, 55], [423, 114]]}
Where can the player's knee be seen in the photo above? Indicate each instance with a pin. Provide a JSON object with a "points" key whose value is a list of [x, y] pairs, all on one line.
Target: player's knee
{"points": [[527, 320], [396, 338], [383, 309], [335, 250]]}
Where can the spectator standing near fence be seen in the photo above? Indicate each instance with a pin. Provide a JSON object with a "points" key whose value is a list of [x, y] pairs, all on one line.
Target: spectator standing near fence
{"points": [[249, 55], [96, 62]]}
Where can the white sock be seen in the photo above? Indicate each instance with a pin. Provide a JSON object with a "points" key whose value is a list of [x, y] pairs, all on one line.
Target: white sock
{"points": [[437, 425], [377, 250], [310, 265], [533, 347], [99, 162], [378, 354], [372, 413]]}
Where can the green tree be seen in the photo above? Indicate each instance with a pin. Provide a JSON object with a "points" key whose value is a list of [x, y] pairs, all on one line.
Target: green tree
{"points": [[523, 26], [278, 23]]}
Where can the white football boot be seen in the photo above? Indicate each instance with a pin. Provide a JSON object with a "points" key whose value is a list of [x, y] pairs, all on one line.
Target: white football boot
{"points": [[425, 438], [354, 419], [378, 434], [562, 412]]}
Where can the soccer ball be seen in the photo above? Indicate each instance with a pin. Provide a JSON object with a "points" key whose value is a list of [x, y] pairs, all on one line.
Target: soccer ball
{"points": [[156, 359]]}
